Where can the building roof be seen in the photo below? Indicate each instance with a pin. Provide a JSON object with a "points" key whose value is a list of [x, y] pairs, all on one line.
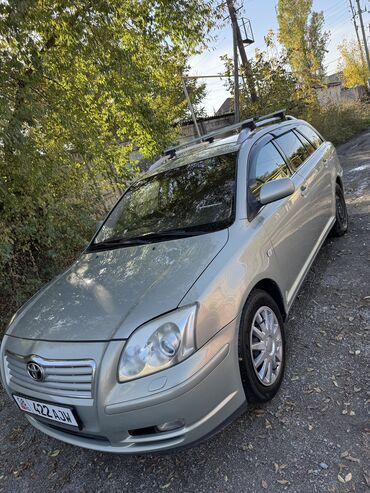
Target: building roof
{"points": [[226, 107]]}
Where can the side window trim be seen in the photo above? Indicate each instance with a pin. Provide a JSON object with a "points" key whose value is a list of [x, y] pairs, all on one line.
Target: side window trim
{"points": [[284, 156], [302, 139], [292, 130]]}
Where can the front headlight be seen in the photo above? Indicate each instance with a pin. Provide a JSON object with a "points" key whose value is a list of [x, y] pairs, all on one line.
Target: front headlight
{"points": [[159, 344]]}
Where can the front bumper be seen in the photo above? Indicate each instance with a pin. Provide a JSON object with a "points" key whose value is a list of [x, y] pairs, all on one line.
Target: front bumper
{"points": [[203, 391]]}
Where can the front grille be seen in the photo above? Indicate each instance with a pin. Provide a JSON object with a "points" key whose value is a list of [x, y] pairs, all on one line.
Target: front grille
{"points": [[73, 378]]}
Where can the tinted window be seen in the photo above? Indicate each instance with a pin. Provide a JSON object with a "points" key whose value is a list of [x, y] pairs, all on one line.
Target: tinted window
{"points": [[310, 147], [311, 135], [268, 164], [293, 148], [192, 195]]}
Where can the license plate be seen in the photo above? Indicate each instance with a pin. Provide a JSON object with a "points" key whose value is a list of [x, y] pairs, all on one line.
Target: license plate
{"points": [[60, 414]]}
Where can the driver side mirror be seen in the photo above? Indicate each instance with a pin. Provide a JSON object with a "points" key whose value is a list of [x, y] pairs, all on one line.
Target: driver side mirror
{"points": [[276, 190]]}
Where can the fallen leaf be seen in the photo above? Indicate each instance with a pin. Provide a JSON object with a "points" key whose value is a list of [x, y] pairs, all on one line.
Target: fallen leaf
{"points": [[264, 484], [279, 467], [352, 459], [259, 412], [54, 453], [282, 481], [346, 479], [165, 486], [367, 478], [268, 424]]}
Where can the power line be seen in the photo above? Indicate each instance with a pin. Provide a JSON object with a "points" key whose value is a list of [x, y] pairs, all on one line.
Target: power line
{"points": [[342, 10], [359, 11], [357, 34], [335, 7]]}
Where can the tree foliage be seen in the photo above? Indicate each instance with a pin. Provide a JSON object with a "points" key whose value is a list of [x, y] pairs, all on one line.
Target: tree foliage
{"points": [[275, 83], [352, 64], [301, 33], [82, 84]]}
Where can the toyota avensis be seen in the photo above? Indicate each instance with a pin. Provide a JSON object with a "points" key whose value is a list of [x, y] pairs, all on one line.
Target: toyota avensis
{"points": [[172, 319]]}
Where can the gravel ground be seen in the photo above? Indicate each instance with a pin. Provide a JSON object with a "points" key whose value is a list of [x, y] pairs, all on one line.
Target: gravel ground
{"points": [[313, 437]]}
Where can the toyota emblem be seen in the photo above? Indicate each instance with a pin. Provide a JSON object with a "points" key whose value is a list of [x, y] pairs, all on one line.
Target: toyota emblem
{"points": [[35, 371]]}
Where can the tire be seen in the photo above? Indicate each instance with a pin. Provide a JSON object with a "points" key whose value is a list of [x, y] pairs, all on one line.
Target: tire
{"points": [[258, 306], [341, 216]]}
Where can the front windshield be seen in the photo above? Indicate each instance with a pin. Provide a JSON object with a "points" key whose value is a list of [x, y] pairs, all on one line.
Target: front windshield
{"points": [[192, 197]]}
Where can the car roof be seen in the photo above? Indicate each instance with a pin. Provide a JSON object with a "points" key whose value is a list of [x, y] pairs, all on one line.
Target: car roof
{"points": [[204, 150]]}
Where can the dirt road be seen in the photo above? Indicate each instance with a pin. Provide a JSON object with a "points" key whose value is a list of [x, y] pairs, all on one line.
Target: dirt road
{"points": [[313, 437]]}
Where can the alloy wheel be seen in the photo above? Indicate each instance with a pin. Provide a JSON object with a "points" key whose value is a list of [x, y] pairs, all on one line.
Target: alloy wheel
{"points": [[266, 346]]}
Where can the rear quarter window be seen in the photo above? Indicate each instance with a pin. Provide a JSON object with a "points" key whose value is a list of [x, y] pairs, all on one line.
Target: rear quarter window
{"points": [[311, 135]]}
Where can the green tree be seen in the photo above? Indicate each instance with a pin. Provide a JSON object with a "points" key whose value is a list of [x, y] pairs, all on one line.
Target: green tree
{"points": [[352, 64], [275, 83], [301, 33], [82, 85]]}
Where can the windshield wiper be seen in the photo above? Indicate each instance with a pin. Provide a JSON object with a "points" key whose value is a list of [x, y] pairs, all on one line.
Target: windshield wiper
{"points": [[122, 242], [148, 238]]}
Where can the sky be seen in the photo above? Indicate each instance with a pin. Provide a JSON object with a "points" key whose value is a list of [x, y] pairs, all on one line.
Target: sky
{"points": [[262, 14]]}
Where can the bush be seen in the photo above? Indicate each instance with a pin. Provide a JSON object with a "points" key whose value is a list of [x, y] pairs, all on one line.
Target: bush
{"points": [[338, 122]]}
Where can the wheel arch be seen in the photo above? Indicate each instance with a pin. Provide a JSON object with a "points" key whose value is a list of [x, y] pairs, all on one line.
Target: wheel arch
{"points": [[272, 288], [340, 182]]}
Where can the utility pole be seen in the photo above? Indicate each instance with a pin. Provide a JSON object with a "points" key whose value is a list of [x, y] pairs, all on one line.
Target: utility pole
{"points": [[236, 78], [191, 108], [245, 62], [357, 35], [363, 34]]}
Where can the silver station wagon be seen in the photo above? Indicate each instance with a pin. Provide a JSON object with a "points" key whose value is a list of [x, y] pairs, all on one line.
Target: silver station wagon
{"points": [[172, 319]]}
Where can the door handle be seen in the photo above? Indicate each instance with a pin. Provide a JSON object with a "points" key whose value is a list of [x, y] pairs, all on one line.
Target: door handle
{"points": [[304, 190]]}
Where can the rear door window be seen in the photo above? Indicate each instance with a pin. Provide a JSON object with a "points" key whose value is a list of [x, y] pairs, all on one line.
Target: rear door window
{"points": [[293, 148], [310, 135], [267, 164]]}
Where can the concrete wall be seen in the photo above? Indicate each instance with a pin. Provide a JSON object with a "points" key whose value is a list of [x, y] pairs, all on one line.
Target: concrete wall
{"points": [[353, 93], [336, 94]]}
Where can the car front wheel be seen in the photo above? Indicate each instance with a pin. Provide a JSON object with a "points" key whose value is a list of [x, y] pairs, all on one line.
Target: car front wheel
{"points": [[261, 347]]}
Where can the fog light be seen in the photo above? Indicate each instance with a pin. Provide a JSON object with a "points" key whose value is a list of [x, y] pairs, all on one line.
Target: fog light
{"points": [[171, 425]]}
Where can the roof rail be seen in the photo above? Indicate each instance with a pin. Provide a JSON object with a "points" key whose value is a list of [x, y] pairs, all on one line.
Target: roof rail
{"points": [[250, 123]]}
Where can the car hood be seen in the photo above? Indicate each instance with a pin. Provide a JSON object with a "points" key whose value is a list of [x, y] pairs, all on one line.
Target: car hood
{"points": [[107, 294]]}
